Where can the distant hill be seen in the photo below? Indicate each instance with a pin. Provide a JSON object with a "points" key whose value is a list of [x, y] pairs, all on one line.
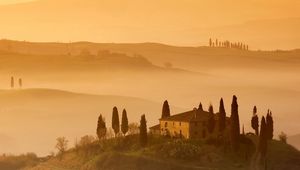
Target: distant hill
{"points": [[34, 118], [294, 141], [190, 58], [183, 22]]}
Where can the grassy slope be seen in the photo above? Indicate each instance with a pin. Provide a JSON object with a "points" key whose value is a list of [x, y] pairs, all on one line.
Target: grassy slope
{"points": [[281, 156]]}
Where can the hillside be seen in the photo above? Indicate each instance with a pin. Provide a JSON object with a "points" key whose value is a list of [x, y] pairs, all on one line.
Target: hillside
{"points": [[167, 154], [72, 114], [190, 58], [295, 141]]}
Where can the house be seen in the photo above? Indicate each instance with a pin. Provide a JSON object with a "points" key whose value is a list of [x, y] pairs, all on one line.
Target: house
{"points": [[189, 125]]}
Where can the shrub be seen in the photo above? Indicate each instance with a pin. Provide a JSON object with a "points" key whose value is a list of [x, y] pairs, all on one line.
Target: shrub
{"points": [[283, 137], [180, 149]]}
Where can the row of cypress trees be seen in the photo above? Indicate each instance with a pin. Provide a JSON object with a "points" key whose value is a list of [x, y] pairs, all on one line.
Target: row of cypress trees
{"points": [[265, 133], [228, 44], [101, 126], [268, 120]]}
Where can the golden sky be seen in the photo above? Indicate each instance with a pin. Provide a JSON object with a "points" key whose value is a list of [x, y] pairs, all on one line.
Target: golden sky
{"points": [[264, 24], [13, 1]]}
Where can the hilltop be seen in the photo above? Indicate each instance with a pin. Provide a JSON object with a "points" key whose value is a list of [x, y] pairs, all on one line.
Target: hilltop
{"points": [[295, 141]]}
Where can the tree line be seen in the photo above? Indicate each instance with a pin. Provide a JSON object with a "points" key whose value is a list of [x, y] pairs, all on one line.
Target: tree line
{"points": [[228, 44], [121, 129]]}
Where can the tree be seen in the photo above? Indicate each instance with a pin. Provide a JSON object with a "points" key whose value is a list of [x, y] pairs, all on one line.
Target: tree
{"points": [[210, 42], [143, 131], [200, 108], [61, 145], [101, 128], [254, 121], [283, 137], [211, 120], [270, 128], [86, 140], [12, 82], [20, 83], [166, 110], [124, 125], [133, 128], [222, 119], [235, 124], [263, 139], [115, 121]]}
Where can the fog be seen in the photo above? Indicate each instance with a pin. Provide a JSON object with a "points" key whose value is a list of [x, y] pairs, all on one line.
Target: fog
{"points": [[63, 94]]}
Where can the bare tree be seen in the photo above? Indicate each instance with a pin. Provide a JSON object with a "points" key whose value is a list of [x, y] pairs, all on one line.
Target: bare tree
{"points": [[61, 145]]}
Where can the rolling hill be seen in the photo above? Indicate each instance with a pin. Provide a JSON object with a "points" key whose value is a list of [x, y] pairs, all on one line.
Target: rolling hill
{"points": [[31, 119]]}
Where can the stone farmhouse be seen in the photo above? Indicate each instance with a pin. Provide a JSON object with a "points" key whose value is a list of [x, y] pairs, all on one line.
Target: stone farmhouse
{"points": [[189, 125]]}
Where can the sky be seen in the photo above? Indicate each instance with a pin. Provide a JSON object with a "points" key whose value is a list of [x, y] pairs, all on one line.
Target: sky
{"points": [[263, 24], [13, 1]]}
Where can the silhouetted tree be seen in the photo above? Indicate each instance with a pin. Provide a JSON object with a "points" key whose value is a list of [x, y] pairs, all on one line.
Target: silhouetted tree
{"points": [[222, 119], [20, 82], [115, 121], [235, 124], [12, 82], [200, 108], [270, 128], [263, 139], [124, 125], [254, 121], [210, 42], [143, 131], [211, 119], [166, 110], [101, 128], [61, 145]]}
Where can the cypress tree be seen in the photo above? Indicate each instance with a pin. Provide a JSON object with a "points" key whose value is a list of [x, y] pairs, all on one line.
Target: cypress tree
{"points": [[101, 127], [115, 121], [200, 108], [20, 82], [143, 131], [211, 119], [254, 121], [270, 128], [210, 42], [124, 125], [166, 110], [222, 119], [235, 124], [12, 82], [263, 139]]}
